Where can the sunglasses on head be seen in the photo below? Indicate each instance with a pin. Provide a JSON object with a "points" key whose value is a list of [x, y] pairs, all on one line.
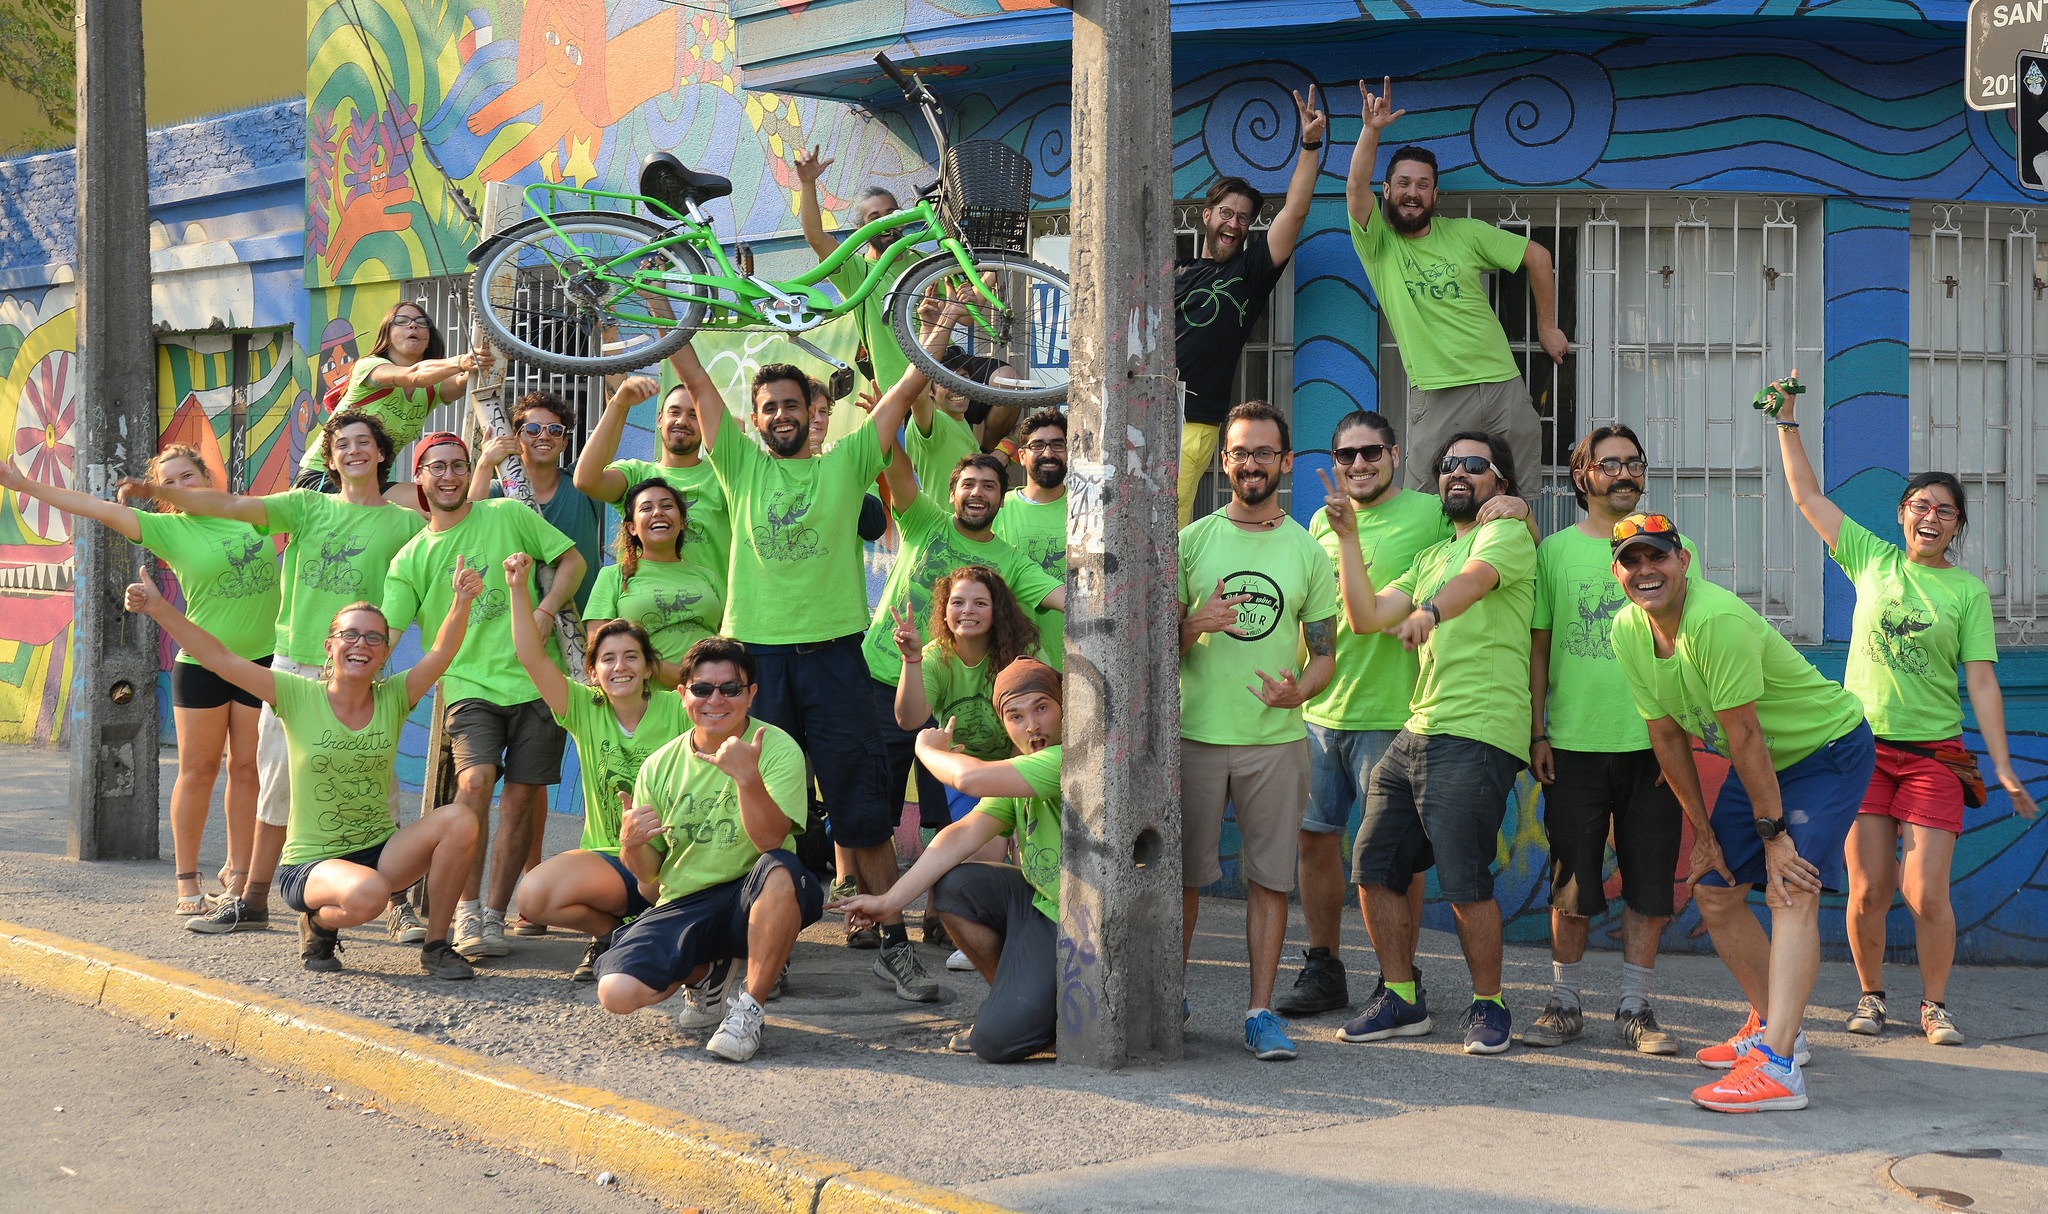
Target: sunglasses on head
{"points": [[1371, 453], [1643, 524], [729, 690], [1473, 464]]}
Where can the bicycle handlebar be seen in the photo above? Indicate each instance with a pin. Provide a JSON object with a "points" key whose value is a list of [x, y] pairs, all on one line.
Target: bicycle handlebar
{"points": [[909, 87], [914, 90]]}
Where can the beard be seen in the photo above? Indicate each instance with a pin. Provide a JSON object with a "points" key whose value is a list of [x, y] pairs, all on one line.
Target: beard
{"points": [[791, 447], [1464, 507], [1403, 225], [1256, 496], [1049, 473], [687, 445]]}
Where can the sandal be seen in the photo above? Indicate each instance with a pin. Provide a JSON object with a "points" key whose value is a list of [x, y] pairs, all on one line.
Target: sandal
{"points": [[193, 903]]}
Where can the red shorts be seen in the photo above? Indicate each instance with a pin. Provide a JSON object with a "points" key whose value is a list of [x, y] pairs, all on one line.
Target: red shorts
{"points": [[1916, 789]]}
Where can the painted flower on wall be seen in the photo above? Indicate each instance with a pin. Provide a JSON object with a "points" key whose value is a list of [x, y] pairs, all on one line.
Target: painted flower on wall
{"points": [[42, 440]]}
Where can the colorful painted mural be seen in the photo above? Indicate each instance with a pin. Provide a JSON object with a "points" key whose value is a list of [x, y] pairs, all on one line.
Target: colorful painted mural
{"points": [[38, 409]]}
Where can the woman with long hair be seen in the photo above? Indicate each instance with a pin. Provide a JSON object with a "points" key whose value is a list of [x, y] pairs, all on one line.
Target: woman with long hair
{"points": [[1918, 617], [229, 572], [617, 722], [405, 374], [676, 602]]}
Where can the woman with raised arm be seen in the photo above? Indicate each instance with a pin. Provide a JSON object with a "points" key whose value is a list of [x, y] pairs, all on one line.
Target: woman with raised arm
{"points": [[1919, 617], [675, 602], [229, 572], [617, 722], [343, 854], [405, 374]]}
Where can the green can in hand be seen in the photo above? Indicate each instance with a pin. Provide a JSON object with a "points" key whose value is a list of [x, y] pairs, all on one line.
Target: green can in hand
{"points": [[1772, 398]]}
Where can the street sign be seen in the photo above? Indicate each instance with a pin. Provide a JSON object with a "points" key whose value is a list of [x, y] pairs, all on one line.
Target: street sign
{"points": [[1997, 31], [2031, 120]]}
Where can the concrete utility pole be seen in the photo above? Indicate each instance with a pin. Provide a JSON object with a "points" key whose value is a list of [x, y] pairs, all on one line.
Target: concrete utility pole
{"points": [[1120, 976], [113, 725]]}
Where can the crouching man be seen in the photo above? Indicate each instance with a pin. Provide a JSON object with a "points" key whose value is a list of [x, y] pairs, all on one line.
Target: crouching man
{"points": [[711, 824]]}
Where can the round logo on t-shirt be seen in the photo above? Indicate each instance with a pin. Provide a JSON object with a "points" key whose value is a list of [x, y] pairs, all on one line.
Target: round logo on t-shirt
{"points": [[1259, 614]]}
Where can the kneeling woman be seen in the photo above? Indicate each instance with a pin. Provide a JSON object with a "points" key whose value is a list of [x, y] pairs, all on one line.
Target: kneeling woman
{"points": [[617, 722], [343, 855]]}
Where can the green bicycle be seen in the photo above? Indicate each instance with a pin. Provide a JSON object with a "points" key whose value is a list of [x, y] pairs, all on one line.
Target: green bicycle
{"points": [[597, 291]]}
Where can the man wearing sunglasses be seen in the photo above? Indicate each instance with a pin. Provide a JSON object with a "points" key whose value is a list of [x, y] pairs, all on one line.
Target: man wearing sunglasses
{"points": [[496, 721], [1592, 754], [1428, 273], [541, 423], [1701, 662], [1439, 794], [1255, 591]]}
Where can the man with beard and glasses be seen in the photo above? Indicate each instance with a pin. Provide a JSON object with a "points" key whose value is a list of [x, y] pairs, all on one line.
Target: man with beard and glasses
{"points": [[1427, 272], [1592, 754], [1254, 591], [1220, 294], [707, 534], [1353, 721], [880, 358], [1034, 517], [1439, 794], [496, 722]]}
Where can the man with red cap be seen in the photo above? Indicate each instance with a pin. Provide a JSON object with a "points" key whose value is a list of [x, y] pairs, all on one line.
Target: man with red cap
{"points": [[495, 718]]}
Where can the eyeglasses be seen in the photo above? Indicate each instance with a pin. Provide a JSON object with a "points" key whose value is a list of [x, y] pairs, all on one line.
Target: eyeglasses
{"points": [[1226, 215], [552, 429], [729, 690], [1371, 453], [1474, 464], [1920, 507], [1264, 457], [351, 637], [412, 322], [1643, 524], [1615, 467], [448, 467], [1046, 446]]}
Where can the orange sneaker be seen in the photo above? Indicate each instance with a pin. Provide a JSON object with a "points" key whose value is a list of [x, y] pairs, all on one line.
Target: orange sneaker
{"points": [[1732, 1051], [1759, 1087]]}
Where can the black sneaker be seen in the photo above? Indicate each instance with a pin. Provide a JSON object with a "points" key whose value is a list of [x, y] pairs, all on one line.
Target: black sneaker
{"points": [[1320, 987], [230, 914], [899, 967], [1555, 1025], [443, 962], [317, 946], [586, 969]]}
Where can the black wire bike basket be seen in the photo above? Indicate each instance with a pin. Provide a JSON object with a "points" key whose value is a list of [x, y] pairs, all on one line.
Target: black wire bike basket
{"points": [[985, 199]]}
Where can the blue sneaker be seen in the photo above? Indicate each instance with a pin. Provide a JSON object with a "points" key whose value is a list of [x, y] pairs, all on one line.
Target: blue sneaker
{"points": [[1486, 1027], [1266, 1037], [1389, 1015]]}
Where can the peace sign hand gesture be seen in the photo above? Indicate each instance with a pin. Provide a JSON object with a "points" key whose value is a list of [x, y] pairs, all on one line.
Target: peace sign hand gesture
{"points": [[909, 641], [1338, 506], [1314, 120]]}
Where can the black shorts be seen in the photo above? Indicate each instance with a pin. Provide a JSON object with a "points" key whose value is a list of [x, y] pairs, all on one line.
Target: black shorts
{"points": [[665, 945], [1435, 800], [1622, 793], [822, 696], [194, 686], [291, 879], [636, 902], [521, 740]]}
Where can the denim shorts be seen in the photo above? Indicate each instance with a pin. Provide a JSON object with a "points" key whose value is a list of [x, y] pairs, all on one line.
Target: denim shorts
{"points": [[636, 902], [1821, 795], [1435, 801], [1340, 763], [664, 945], [292, 878]]}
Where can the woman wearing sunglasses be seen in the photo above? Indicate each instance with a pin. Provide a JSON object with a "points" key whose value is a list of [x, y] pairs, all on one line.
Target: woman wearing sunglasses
{"points": [[616, 722], [676, 602], [1919, 617], [405, 374]]}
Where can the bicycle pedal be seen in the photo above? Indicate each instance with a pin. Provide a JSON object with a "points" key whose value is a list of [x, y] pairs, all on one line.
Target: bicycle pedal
{"points": [[840, 386]]}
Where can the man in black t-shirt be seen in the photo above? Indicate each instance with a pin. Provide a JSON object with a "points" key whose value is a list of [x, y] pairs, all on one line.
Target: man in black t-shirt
{"points": [[1220, 295]]}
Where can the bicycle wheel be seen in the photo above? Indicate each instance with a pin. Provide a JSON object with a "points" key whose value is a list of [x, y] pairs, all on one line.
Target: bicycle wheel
{"points": [[540, 299], [1016, 356]]}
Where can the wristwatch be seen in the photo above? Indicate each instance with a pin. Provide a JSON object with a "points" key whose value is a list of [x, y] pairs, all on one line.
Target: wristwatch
{"points": [[1768, 829], [1429, 605]]}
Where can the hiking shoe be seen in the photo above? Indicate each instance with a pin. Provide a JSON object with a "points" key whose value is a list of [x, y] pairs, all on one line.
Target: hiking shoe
{"points": [[1487, 1026], [404, 925], [523, 926], [866, 937], [468, 936], [1758, 1088], [1940, 1029], [1555, 1025], [230, 914], [586, 969], [317, 946], [1389, 1015], [1732, 1051], [1868, 1018], [1266, 1037], [443, 962], [962, 1041], [898, 965], [703, 1003], [1319, 987], [957, 962], [1641, 1032], [739, 1034]]}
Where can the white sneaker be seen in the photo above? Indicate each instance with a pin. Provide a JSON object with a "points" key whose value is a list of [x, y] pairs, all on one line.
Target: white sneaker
{"points": [[739, 1035], [494, 944], [703, 1005], [468, 937], [958, 961]]}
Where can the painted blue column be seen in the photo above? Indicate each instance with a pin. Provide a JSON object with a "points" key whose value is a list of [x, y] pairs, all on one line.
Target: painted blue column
{"points": [[1336, 343], [1867, 255]]}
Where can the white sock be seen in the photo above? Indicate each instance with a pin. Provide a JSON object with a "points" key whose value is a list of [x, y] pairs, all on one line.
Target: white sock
{"points": [[1564, 983], [1635, 987], [494, 915], [472, 907]]}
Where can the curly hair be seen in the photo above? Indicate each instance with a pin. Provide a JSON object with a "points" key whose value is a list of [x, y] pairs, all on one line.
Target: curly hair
{"points": [[153, 472], [387, 451], [626, 548], [1011, 634], [610, 629]]}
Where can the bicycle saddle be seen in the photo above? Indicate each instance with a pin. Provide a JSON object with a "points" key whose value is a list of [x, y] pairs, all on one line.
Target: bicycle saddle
{"points": [[668, 180]]}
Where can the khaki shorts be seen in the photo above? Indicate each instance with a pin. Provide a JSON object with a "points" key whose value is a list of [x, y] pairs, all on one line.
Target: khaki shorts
{"points": [[1503, 409], [1268, 786], [274, 759]]}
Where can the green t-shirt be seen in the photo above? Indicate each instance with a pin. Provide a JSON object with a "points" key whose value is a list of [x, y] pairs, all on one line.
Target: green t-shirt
{"points": [[707, 841], [953, 689], [611, 758], [707, 526], [341, 777], [1039, 531], [934, 456], [1287, 574], [675, 601], [1375, 676], [932, 548], [1913, 629], [876, 335], [1473, 680], [1587, 708], [402, 411], [228, 572], [421, 586], [1727, 656], [1434, 298], [797, 573], [1035, 821], [581, 518], [339, 554]]}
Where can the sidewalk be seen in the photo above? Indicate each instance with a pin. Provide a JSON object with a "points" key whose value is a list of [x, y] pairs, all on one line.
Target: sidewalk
{"points": [[850, 1073]]}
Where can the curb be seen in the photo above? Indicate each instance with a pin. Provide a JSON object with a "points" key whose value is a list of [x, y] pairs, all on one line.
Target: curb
{"points": [[658, 1151]]}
